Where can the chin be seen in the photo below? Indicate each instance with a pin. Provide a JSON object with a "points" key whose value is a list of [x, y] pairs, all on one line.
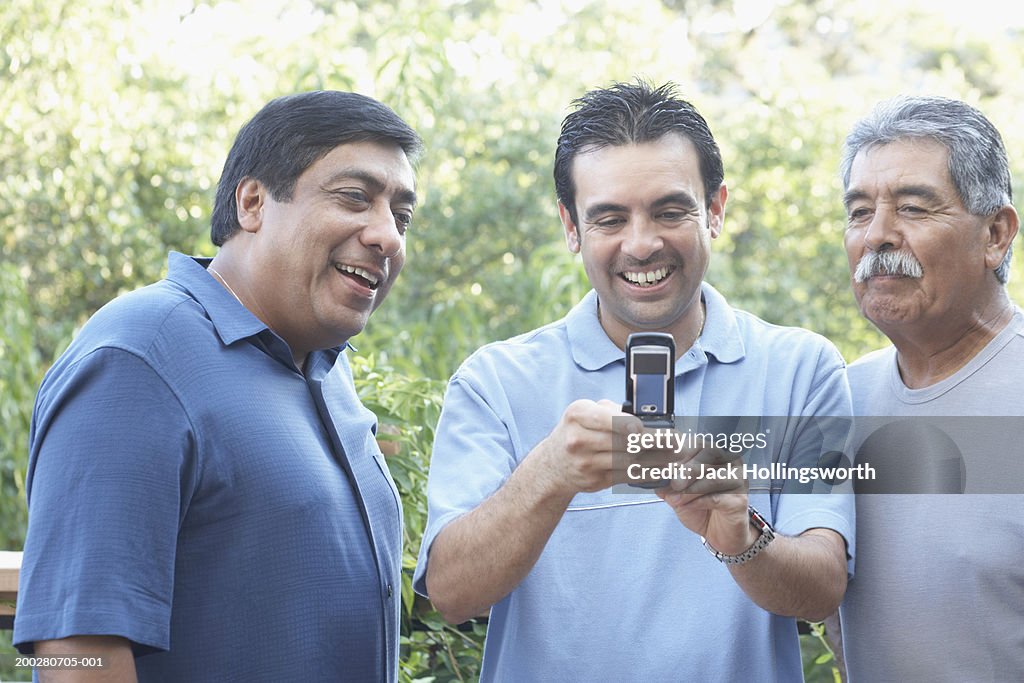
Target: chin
{"points": [[887, 314], [341, 333]]}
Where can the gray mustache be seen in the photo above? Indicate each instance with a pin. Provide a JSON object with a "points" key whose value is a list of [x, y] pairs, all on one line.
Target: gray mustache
{"points": [[887, 263]]}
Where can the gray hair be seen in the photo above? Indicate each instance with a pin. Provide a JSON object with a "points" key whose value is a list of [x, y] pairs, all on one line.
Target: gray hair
{"points": [[901, 263], [977, 158]]}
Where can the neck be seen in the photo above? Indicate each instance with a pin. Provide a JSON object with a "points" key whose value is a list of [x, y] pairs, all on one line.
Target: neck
{"points": [[931, 356], [685, 331], [232, 280]]}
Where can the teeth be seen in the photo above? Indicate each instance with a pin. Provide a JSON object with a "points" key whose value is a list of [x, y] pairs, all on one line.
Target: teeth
{"points": [[646, 279], [372, 279]]}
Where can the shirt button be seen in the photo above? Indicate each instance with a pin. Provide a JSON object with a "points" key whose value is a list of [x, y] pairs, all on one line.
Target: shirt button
{"points": [[390, 591]]}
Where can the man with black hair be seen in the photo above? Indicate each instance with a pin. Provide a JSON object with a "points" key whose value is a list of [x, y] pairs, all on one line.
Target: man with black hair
{"points": [[584, 583], [207, 501]]}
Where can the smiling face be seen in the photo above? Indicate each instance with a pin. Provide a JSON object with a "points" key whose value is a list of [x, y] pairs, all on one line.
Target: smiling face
{"points": [[901, 199], [644, 234], [322, 261]]}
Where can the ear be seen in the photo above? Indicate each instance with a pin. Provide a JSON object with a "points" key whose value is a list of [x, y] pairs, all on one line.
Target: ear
{"points": [[249, 197], [716, 213], [1001, 232], [572, 233]]}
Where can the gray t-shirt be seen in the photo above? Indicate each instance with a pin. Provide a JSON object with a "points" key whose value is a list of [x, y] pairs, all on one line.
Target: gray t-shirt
{"points": [[938, 593]]}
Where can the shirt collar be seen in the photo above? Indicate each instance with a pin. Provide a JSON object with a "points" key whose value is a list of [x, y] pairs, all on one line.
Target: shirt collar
{"points": [[721, 337], [592, 349], [231, 320]]}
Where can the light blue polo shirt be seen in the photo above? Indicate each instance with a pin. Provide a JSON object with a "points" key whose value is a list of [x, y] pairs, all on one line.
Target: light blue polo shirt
{"points": [[191, 490], [622, 591]]}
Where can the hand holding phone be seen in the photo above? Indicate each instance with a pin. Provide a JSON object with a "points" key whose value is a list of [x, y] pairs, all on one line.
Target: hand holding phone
{"points": [[650, 378], [650, 383]]}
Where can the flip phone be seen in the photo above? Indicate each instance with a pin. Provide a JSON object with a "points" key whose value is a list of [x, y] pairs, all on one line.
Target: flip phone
{"points": [[650, 378]]}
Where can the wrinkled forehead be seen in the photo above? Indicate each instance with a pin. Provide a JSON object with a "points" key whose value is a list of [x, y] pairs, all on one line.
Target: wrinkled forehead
{"points": [[906, 160], [383, 166]]}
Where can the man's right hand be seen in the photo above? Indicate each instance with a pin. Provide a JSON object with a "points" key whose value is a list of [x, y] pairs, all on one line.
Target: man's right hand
{"points": [[483, 555], [579, 452]]}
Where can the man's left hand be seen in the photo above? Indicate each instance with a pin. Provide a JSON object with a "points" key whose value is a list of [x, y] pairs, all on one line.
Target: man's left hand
{"points": [[712, 501]]}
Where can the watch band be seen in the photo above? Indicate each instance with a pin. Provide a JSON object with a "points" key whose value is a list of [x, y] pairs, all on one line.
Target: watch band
{"points": [[766, 537]]}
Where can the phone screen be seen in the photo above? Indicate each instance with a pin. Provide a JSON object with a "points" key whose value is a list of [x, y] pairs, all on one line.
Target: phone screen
{"points": [[650, 360], [650, 387]]}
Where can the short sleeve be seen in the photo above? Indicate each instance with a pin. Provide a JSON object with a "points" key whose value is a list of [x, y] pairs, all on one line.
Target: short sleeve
{"points": [[473, 456], [111, 469], [826, 412]]}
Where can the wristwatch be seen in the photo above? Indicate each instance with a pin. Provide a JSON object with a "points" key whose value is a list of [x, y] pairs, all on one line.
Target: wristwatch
{"points": [[766, 537]]}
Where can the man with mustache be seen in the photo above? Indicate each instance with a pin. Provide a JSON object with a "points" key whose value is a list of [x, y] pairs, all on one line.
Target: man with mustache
{"points": [[206, 498], [940, 578], [584, 583]]}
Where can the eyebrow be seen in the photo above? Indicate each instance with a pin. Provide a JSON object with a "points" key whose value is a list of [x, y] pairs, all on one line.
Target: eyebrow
{"points": [[922, 191], [852, 196], [682, 198], [596, 210], [373, 182]]}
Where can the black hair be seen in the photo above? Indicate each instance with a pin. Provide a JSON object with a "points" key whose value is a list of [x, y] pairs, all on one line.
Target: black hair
{"points": [[291, 133], [632, 113]]}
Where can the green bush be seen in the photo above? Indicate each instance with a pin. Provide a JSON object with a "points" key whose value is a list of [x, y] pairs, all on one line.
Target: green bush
{"points": [[20, 373], [116, 118], [407, 409]]}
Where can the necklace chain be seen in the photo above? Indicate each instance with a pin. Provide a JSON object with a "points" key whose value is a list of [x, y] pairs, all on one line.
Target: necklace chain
{"points": [[700, 328], [224, 282]]}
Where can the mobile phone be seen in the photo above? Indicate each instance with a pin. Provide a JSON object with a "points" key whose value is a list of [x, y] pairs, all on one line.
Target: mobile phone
{"points": [[650, 383], [650, 378]]}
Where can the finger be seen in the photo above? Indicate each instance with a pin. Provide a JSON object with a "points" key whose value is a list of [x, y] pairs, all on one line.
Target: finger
{"points": [[711, 480], [654, 445], [713, 457], [717, 500], [626, 424], [601, 416]]}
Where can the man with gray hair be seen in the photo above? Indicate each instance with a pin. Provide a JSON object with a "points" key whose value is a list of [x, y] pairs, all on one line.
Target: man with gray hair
{"points": [[940, 581]]}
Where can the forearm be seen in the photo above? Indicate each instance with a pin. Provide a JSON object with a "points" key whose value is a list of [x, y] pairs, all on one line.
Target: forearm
{"points": [[799, 576], [480, 557], [118, 661]]}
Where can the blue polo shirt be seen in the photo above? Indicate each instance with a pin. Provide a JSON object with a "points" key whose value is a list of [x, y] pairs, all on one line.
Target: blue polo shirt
{"points": [[191, 490], [622, 591]]}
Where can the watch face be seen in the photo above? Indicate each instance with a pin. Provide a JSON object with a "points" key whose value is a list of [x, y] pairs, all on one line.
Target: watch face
{"points": [[760, 522]]}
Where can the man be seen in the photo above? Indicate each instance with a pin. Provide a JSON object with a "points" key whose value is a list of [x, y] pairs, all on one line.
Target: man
{"points": [[940, 578], [584, 583], [206, 498]]}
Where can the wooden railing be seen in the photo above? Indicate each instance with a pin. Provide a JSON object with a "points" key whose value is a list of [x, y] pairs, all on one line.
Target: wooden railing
{"points": [[10, 563]]}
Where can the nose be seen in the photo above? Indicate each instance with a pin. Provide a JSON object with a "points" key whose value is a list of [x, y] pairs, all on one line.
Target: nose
{"points": [[381, 232], [883, 233], [642, 239]]}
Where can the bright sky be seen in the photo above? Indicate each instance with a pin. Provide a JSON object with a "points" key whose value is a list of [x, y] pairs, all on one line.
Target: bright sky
{"points": [[211, 32], [979, 14]]}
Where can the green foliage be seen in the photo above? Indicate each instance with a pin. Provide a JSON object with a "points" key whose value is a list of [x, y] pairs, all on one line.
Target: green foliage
{"points": [[20, 372], [819, 661], [407, 409], [116, 118]]}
